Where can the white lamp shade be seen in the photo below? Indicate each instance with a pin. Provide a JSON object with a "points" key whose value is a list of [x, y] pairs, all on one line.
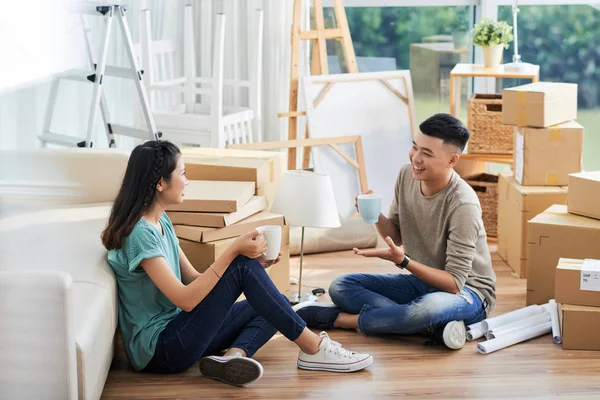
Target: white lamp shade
{"points": [[306, 198]]}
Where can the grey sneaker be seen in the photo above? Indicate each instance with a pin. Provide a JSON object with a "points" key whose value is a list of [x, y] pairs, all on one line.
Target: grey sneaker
{"points": [[234, 370], [454, 335]]}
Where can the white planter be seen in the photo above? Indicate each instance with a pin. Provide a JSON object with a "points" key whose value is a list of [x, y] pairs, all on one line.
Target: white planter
{"points": [[492, 55]]}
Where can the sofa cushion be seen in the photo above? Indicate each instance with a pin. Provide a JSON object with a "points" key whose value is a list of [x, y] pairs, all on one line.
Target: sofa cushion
{"points": [[95, 325]]}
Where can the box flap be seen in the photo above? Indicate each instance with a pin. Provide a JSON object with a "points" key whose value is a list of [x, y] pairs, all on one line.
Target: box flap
{"points": [[558, 215], [206, 234], [588, 176]]}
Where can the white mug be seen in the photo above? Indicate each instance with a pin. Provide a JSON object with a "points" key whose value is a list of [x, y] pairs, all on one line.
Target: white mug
{"points": [[272, 234]]}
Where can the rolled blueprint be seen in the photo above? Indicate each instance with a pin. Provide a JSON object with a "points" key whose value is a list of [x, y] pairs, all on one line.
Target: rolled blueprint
{"points": [[513, 316], [474, 334], [519, 325], [554, 319], [515, 337]]}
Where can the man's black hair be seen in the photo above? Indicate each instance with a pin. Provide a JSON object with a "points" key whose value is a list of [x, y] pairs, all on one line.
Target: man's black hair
{"points": [[447, 128]]}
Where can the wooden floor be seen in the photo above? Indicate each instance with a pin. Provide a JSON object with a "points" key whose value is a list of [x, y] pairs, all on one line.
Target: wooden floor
{"points": [[403, 366]]}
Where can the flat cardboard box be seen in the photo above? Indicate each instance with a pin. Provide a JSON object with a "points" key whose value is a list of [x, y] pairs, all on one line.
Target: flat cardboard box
{"points": [[556, 234], [539, 104], [202, 255], [277, 159], [266, 173], [516, 205], [219, 220], [204, 234], [546, 156], [584, 194], [568, 285], [580, 327], [215, 196]]}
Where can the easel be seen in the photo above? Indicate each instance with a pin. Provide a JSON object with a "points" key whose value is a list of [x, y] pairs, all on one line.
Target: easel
{"points": [[319, 65]]}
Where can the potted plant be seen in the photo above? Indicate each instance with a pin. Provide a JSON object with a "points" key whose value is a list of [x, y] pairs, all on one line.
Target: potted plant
{"points": [[460, 28], [493, 37]]}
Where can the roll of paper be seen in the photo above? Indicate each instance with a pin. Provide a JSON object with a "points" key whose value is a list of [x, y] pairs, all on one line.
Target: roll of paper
{"points": [[515, 337], [474, 334], [554, 319], [513, 316], [519, 325], [475, 326]]}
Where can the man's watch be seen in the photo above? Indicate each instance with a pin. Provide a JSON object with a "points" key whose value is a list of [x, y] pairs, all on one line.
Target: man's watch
{"points": [[404, 262]]}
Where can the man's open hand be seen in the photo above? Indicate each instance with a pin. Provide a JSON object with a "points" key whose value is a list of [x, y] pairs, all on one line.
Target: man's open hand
{"points": [[391, 253]]}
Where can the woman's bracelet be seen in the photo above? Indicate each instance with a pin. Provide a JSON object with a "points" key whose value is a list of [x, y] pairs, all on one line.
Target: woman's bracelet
{"points": [[211, 267]]}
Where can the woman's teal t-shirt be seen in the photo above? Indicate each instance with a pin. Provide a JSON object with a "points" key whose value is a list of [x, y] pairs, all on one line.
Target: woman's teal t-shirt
{"points": [[143, 310]]}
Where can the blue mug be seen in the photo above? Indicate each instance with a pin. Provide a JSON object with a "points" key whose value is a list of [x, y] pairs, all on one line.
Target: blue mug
{"points": [[369, 206]]}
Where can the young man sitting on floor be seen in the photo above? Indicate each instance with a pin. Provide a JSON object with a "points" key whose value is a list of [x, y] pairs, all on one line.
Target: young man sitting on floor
{"points": [[436, 218]]}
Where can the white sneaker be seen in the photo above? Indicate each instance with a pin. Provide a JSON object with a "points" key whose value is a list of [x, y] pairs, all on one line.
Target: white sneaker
{"points": [[333, 357], [455, 335], [234, 370]]}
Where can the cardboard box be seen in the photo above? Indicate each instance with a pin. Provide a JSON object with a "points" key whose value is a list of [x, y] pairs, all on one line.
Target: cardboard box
{"points": [[516, 205], [218, 220], [585, 194], [556, 234], [202, 255], [580, 327], [277, 159], [546, 156], [215, 196], [205, 234], [569, 287], [539, 104], [265, 172]]}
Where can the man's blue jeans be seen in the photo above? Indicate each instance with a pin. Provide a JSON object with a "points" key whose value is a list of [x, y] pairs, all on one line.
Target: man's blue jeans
{"points": [[402, 303]]}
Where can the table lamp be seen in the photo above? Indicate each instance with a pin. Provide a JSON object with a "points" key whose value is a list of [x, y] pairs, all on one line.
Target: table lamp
{"points": [[306, 199], [516, 65]]}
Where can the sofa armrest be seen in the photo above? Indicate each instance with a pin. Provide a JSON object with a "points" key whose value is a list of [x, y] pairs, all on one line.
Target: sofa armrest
{"points": [[37, 336]]}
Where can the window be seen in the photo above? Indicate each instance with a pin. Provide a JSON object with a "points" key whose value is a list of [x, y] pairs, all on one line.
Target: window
{"points": [[563, 39], [429, 41]]}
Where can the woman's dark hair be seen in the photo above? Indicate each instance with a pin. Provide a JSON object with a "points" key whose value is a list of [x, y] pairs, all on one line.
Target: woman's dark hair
{"points": [[448, 128], [147, 164]]}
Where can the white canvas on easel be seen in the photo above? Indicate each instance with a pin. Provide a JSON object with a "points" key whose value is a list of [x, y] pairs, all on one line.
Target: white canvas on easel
{"points": [[378, 106]]}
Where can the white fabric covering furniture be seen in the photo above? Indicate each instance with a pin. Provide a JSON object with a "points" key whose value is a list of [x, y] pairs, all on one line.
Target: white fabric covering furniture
{"points": [[58, 299]]}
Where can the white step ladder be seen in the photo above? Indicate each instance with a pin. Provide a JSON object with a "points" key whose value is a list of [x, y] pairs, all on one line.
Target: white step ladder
{"points": [[96, 76]]}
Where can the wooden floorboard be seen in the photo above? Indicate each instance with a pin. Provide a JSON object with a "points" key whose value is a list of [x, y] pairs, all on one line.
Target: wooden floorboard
{"points": [[403, 366]]}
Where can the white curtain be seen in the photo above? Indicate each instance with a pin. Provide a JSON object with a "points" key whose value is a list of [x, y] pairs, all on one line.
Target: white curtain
{"points": [[22, 110]]}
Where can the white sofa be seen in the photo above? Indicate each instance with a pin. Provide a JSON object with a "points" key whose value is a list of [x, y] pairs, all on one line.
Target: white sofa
{"points": [[58, 299]]}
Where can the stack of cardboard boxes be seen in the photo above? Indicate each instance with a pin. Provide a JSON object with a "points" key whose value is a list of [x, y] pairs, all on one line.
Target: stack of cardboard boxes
{"points": [[562, 231], [229, 194], [577, 279], [548, 147]]}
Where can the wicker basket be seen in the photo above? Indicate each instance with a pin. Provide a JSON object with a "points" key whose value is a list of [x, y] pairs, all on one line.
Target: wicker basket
{"points": [[486, 187], [484, 119]]}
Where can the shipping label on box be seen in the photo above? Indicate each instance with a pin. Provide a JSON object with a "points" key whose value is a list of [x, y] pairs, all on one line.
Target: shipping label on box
{"points": [[578, 282]]}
